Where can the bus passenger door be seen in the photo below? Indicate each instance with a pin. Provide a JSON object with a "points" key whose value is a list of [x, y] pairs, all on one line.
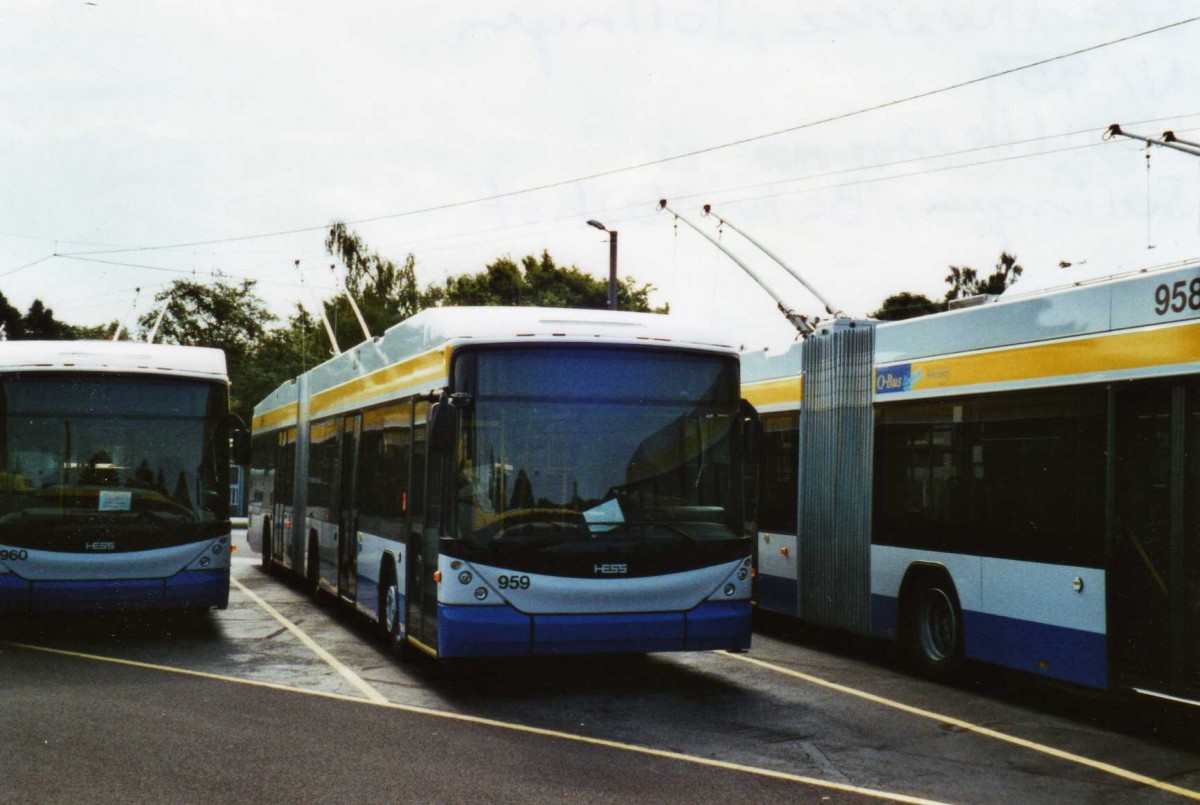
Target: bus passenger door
{"points": [[347, 508], [1154, 578], [281, 494], [422, 546]]}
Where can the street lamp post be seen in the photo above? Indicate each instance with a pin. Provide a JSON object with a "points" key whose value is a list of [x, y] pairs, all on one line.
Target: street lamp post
{"points": [[612, 262]]}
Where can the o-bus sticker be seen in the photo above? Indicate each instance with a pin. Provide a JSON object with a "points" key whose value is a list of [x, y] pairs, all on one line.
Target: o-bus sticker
{"points": [[113, 501], [894, 379]]}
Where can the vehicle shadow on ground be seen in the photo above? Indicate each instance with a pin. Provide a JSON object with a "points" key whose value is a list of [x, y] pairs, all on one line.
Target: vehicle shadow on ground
{"points": [[1171, 724], [96, 631]]}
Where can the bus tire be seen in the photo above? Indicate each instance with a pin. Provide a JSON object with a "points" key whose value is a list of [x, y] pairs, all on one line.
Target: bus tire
{"points": [[312, 569], [932, 626], [389, 616], [266, 546]]}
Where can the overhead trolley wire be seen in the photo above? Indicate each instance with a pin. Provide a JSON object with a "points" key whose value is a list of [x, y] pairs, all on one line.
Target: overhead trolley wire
{"points": [[27, 265], [666, 159], [708, 194]]}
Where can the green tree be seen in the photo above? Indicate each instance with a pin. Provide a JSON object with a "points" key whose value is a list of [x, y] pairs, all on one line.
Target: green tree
{"points": [[281, 354], [965, 282], [906, 305], [11, 320], [227, 316], [384, 291], [39, 323], [539, 282], [97, 332]]}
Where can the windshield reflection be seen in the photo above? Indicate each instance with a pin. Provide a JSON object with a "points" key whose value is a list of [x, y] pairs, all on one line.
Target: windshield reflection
{"points": [[82, 455], [584, 444]]}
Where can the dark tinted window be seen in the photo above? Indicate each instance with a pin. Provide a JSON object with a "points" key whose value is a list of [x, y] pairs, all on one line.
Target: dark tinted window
{"points": [[778, 483], [1015, 475]]}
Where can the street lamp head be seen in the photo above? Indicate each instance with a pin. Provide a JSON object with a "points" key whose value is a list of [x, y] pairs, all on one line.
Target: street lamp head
{"points": [[597, 224]]}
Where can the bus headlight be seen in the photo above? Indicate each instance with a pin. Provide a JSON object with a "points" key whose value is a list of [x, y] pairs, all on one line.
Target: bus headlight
{"points": [[730, 589], [465, 577], [742, 574], [205, 561], [481, 593]]}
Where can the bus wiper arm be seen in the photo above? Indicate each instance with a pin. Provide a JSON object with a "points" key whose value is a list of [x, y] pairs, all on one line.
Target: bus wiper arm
{"points": [[674, 529]]}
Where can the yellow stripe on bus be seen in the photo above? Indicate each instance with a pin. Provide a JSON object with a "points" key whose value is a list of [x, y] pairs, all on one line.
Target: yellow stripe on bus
{"points": [[278, 417], [427, 368], [783, 391], [1113, 353]]}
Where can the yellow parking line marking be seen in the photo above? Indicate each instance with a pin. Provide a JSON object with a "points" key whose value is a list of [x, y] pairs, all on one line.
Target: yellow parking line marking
{"points": [[506, 725], [1107, 768], [329, 659]]}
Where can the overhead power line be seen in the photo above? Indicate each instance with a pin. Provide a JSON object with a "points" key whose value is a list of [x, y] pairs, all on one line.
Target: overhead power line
{"points": [[666, 159], [27, 265]]}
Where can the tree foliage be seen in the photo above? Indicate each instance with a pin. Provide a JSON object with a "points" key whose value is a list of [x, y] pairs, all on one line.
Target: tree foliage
{"points": [[10, 320], [965, 282], [539, 282], [223, 315], [39, 323], [384, 291], [906, 305]]}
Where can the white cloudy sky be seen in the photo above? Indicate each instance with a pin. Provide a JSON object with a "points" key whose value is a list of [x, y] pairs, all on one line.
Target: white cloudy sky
{"points": [[140, 124]]}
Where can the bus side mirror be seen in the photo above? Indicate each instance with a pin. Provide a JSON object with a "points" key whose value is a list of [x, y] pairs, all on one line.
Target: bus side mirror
{"points": [[442, 430], [241, 447]]}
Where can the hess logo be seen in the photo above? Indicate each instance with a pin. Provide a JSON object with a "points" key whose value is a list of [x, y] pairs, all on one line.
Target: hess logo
{"points": [[100, 546], [611, 569]]}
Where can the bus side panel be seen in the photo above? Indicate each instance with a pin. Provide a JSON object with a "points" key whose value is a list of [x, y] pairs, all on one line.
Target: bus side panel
{"points": [[1042, 618], [1022, 615], [889, 565], [371, 552], [778, 573]]}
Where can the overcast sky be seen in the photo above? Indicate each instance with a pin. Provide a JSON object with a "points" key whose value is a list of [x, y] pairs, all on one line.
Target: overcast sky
{"points": [[126, 125]]}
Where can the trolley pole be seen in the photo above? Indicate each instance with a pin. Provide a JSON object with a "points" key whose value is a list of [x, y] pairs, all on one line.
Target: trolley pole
{"points": [[797, 320], [612, 262], [1169, 140]]}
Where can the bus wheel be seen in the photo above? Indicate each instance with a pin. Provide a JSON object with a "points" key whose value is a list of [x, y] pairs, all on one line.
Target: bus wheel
{"points": [[933, 633], [312, 573], [266, 546], [389, 619]]}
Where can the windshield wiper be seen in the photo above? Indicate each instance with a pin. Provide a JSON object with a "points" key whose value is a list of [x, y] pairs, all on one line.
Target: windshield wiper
{"points": [[674, 529]]}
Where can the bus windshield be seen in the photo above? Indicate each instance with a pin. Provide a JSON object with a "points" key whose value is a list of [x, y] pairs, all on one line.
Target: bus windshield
{"points": [[584, 443], [87, 455]]}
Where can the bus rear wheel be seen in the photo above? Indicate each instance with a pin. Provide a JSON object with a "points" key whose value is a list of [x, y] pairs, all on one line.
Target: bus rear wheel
{"points": [[933, 628], [266, 546], [389, 618], [312, 572]]}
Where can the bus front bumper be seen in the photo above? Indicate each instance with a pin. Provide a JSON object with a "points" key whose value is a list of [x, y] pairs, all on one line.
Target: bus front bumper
{"points": [[186, 589], [496, 631]]}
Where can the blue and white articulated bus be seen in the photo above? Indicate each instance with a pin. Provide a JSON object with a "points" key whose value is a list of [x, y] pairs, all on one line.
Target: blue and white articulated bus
{"points": [[114, 476], [1016, 482], [516, 481]]}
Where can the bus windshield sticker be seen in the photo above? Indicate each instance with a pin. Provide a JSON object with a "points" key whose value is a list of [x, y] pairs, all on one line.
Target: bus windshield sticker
{"points": [[604, 517], [114, 501]]}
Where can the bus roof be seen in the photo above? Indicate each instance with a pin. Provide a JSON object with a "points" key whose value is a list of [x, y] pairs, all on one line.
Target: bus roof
{"points": [[442, 329], [112, 356], [1126, 302]]}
